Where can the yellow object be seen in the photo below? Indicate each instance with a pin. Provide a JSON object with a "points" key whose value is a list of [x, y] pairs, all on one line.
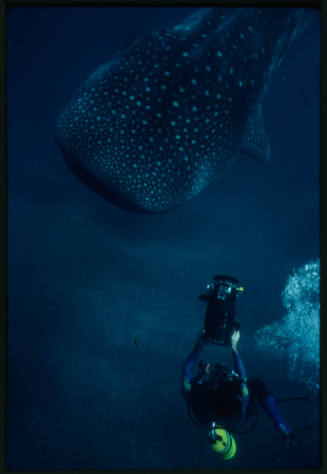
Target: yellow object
{"points": [[224, 444]]}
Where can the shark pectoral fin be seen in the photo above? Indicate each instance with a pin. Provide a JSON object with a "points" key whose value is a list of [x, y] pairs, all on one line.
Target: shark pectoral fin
{"points": [[255, 142]]}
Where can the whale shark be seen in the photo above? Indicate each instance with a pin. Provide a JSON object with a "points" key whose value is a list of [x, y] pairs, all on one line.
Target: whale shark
{"points": [[152, 127]]}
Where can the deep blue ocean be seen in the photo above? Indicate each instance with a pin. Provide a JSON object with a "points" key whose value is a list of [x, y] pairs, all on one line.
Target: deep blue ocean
{"points": [[103, 306]]}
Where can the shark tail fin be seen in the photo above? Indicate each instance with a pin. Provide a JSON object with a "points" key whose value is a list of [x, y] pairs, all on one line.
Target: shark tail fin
{"points": [[255, 142]]}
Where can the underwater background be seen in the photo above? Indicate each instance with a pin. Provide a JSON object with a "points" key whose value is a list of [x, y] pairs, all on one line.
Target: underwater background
{"points": [[103, 306]]}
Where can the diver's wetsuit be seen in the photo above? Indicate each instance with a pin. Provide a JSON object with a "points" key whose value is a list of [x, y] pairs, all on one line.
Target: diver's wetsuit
{"points": [[204, 411]]}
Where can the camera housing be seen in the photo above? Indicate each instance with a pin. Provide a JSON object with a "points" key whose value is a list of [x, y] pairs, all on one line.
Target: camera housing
{"points": [[220, 319]]}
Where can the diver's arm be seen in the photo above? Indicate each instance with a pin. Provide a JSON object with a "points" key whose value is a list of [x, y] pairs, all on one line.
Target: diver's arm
{"points": [[188, 368], [239, 366], [189, 365]]}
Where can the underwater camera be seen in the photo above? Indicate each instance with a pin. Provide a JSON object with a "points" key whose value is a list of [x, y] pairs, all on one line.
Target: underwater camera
{"points": [[221, 298]]}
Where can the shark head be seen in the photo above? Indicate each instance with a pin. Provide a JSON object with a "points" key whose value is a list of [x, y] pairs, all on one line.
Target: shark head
{"points": [[156, 124]]}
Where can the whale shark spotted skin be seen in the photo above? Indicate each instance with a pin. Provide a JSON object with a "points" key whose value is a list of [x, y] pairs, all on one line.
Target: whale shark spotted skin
{"points": [[156, 124]]}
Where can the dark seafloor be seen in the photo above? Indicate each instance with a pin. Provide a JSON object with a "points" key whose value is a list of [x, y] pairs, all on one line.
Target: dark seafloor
{"points": [[87, 279]]}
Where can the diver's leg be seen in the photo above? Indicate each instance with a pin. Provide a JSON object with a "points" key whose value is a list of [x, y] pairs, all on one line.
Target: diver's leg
{"points": [[270, 406]]}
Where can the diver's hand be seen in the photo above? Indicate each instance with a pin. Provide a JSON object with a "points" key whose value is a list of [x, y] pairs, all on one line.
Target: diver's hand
{"points": [[235, 337], [201, 340]]}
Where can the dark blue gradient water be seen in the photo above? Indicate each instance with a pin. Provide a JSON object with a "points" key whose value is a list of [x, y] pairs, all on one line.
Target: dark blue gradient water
{"points": [[103, 305]]}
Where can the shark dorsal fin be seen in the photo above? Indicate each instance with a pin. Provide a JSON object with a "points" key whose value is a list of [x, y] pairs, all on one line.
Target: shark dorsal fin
{"points": [[255, 142]]}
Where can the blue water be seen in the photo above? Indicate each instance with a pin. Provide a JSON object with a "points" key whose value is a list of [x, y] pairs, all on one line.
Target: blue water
{"points": [[87, 279]]}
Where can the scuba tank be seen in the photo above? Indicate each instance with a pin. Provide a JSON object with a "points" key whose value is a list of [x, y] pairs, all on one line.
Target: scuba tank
{"points": [[221, 442]]}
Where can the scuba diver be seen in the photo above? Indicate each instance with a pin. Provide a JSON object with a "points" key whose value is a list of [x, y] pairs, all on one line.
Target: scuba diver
{"points": [[220, 395], [227, 396]]}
